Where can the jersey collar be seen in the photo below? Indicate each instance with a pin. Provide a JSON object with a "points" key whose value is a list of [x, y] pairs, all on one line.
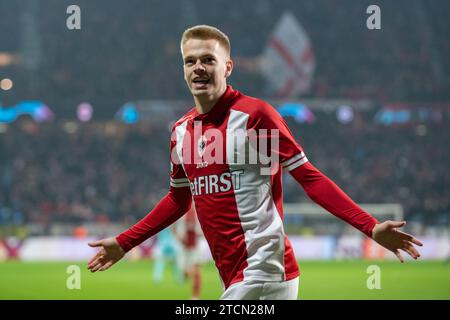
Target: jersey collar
{"points": [[222, 105]]}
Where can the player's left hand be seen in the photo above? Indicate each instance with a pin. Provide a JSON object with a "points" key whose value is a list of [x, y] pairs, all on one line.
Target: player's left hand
{"points": [[387, 235]]}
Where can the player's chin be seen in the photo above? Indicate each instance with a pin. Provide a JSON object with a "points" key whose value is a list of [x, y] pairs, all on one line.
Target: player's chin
{"points": [[200, 91]]}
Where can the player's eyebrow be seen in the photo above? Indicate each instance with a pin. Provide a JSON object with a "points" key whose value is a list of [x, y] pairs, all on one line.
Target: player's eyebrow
{"points": [[206, 55]]}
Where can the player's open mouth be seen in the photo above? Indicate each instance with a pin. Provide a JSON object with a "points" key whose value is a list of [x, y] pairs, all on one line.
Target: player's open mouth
{"points": [[199, 82]]}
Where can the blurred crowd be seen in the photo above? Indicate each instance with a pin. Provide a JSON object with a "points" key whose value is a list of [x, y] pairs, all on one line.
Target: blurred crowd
{"points": [[130, 50], [80, 173], [377, 164], [111, 172]]}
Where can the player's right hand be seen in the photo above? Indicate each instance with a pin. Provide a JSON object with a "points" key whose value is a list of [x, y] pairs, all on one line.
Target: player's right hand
{"points": [[109, 253]]}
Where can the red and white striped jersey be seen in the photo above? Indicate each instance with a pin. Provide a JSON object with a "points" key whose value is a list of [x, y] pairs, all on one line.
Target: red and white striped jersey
{"points": [[239, 208]]}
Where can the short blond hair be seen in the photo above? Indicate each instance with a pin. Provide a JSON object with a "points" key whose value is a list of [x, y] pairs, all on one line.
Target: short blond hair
{"points": [[205, 32]]}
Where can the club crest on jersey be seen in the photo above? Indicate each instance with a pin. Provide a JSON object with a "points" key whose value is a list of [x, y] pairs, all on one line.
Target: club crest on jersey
{"points": [[202, 145], [201, 151]]}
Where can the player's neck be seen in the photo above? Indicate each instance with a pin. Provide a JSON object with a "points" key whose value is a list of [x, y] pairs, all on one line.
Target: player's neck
{"points": [[204, 104]]}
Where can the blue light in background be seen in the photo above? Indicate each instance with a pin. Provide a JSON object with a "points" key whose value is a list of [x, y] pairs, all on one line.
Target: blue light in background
{"points": [[36, 109], [298, 111], [388, 117], [128, 113]]}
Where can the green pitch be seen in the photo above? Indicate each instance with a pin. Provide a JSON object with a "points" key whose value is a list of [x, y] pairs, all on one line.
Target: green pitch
{"points": [[133, 280]]}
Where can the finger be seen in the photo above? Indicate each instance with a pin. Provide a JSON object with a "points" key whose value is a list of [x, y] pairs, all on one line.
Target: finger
{"points": [[410, 252], [107, 265], [97, 243], [417, 242], [397, 224], [100, 258], [399, 256], [417, 253], [409, 237], [97, 266], [95, 262], [413, 250], [96, 257], [91, 267]]}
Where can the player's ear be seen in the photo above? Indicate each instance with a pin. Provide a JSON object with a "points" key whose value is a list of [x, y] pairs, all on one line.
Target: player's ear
{"points": [[229, 68]]}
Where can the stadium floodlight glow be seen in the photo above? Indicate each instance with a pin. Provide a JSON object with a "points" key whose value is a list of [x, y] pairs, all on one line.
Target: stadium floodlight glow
{"points": [[345, 114], [43, 113], [6, 84], [84, 112], [6, 59]]}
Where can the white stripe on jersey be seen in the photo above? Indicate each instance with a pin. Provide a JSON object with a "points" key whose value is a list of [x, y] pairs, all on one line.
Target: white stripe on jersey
{"points": [[180, 184], [293, 159], [235, 147], [260, 220], [297, 164], [180, 132], [182, 180]]}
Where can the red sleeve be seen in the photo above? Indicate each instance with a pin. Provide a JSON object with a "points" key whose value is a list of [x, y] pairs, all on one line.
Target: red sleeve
{"points": [[328, 195], [174, 205]]}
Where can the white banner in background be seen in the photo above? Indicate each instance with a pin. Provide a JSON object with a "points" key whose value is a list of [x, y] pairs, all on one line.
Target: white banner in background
{"points": [[288, 60], [305, 248], [313, 248], [348, 247], [57, 248]]}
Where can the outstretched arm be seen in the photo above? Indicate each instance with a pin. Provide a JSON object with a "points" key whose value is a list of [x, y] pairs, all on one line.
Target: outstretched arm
{"points": [[328, 195], [320, 188], [176, 203]]}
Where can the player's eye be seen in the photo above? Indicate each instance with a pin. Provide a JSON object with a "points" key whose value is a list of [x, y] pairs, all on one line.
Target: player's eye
{"points": [[208, 60], [189, 62]]}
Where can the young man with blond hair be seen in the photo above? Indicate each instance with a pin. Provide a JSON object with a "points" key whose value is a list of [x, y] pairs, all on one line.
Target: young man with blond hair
{"points": [[239, 202]]}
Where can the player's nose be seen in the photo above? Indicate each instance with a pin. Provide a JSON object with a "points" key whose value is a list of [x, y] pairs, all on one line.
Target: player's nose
{"points": [[199, 67]]}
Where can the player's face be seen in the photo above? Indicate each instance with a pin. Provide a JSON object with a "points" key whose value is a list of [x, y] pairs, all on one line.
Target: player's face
{"points": [[206, 67]]}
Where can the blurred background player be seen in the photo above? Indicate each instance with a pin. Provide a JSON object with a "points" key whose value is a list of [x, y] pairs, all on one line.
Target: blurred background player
{"points": [[166, 252], [188, 232]]}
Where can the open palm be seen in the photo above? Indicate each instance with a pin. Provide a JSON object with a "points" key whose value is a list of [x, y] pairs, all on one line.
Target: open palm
{"points": [[109, 253], [387, 235]]}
